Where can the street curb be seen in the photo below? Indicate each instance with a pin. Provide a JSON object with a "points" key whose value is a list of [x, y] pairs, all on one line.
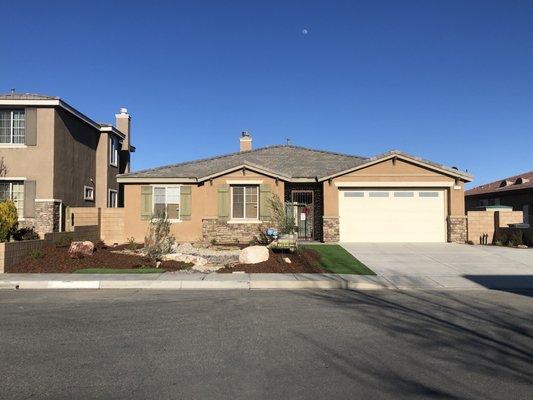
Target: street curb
{"points": [[191, 285], [251, 282]]}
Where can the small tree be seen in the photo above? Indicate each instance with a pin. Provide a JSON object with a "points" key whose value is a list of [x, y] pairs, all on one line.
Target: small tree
{"points": [[159, 240], [8, 220], [278, 211]]}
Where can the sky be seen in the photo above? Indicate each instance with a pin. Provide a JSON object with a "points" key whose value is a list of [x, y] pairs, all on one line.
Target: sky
{"points": [[450, 81]]}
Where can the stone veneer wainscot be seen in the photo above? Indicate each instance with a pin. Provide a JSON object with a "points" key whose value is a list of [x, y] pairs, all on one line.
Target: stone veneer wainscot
{"points": [[221, 231]]}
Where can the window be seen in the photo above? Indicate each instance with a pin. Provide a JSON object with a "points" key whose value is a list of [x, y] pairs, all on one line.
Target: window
{"points": [[88, 193], [13, 190], [167, 202], [112, 198], [12, 126], [378, 194], [428, 194], [354, 194], [404, 194], [245, 202], [113, 151]]}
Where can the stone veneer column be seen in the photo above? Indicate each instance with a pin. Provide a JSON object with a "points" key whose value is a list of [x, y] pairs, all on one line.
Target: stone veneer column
{"points": [[457, 231], [46, 216], [331, 229]]}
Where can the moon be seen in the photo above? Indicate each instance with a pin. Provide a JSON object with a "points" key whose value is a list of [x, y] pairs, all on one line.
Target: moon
{"points": [[305, 31]]}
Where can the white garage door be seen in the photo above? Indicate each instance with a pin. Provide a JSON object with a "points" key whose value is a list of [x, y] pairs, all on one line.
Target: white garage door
{"points": [[392, 215]]}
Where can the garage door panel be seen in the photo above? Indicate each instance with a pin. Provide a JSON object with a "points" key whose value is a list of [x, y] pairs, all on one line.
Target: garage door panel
{"points": [[406, 217]]}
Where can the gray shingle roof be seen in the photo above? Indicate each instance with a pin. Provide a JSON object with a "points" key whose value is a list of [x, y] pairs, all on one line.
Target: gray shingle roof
{"points": [[283, 160], [25, 96]]}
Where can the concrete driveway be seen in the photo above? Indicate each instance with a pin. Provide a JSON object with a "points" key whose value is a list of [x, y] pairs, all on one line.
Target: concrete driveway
{"points": [[445, 264]]}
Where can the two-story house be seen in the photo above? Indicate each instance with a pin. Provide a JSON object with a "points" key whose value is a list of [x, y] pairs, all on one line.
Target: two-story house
{"points": [[57, 157]]}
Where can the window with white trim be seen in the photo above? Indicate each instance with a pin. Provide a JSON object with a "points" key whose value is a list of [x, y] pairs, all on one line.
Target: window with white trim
{"points": [[113, 151], [88, 193], [112, 198], [166, 202], [13, 190], [12, 126], [245, 202]]}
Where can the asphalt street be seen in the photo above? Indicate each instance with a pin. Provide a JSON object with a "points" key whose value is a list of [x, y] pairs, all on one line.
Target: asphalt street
{"points": [[126, 344]]}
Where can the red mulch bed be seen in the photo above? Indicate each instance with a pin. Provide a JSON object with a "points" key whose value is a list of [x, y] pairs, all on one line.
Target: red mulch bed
{"points": [[57, 259], [303, 261]]}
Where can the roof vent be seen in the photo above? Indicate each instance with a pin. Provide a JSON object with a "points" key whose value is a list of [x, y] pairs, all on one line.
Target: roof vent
{"points": [[520, 181], [505, 183]]}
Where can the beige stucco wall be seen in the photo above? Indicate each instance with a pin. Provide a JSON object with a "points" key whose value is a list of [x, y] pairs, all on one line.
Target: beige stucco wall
{"points": [[35, 162], [203, 205], [400, 171]]}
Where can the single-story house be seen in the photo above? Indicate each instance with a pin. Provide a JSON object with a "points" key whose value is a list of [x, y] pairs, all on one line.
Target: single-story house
{"points": [[393, 197], [514, 191]]}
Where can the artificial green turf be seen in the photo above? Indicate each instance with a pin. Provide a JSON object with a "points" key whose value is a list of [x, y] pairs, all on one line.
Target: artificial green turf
{"points": [[120, 271], [336, 259]]}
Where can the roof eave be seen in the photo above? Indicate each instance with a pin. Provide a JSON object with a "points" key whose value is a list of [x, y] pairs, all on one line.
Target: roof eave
{"points": [[50, 102]]}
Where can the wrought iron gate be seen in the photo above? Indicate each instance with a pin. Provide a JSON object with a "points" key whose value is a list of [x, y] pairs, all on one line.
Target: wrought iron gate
{"points": [[303, 213]]}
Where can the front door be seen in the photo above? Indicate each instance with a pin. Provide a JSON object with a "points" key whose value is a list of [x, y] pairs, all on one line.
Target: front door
{"points": [[303, 213]]}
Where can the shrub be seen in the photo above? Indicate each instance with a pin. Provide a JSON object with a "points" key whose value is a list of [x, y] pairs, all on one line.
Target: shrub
{"points": [[26, 234], [36, 255], [159, 240], [64, 240], [132, 245], [283, 223], [516, 238], [513, 236], [8, 220]]}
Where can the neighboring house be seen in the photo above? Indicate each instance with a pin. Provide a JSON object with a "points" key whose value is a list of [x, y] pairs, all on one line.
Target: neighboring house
{"points": [[392, 197], [57, 157], [515, 191]]}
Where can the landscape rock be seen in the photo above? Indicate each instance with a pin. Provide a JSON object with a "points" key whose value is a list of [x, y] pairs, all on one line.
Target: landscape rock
{"points": [[186, 258], [253, 255], [81, 249], [209, 267]]}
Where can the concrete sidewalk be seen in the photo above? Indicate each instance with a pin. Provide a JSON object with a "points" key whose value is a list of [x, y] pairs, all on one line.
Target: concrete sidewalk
{"points": [[179, 281]]}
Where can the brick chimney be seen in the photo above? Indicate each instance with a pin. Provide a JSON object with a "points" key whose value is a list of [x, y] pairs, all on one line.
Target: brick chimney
{"points": [[246, 141], [123, 124]]}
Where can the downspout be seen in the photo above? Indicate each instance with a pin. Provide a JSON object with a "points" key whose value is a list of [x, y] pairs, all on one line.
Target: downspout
{"points": [[61, 216]]}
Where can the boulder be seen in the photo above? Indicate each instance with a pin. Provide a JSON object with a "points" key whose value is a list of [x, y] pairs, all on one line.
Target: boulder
{"points": [[253, 255], [81, 249]]}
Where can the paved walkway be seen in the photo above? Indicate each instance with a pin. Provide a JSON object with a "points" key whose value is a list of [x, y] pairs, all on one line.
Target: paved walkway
{"points": [[434, 265]]}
